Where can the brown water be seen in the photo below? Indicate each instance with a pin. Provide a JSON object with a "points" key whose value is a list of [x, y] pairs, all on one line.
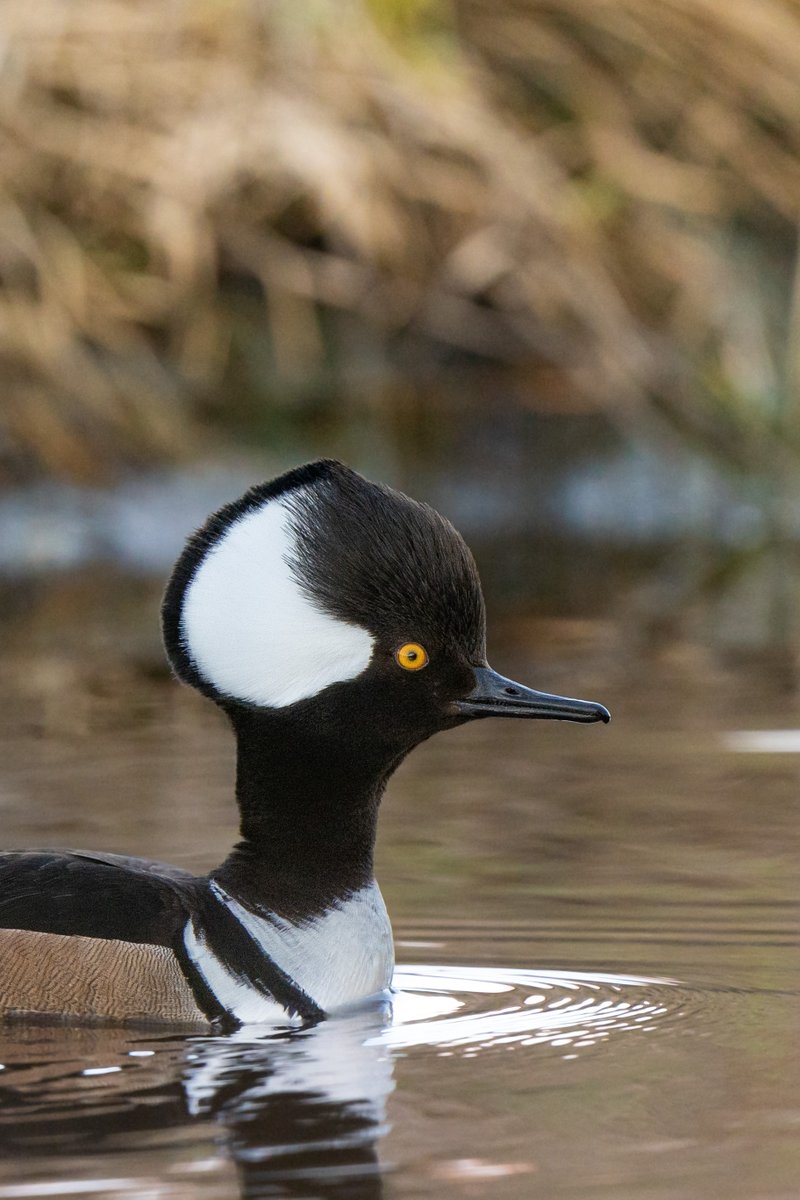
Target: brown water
{"points": [[596, 929]]}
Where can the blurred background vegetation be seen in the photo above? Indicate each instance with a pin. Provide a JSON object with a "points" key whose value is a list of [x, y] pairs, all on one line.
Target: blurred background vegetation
{"points": [[536, 262], [231, 221]]}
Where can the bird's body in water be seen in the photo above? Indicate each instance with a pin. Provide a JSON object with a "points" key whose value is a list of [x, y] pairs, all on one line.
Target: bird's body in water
{"points": [[338, 624]]}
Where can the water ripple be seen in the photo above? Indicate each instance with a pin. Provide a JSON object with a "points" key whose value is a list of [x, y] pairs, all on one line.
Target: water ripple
{"points": [[470, 1009]]}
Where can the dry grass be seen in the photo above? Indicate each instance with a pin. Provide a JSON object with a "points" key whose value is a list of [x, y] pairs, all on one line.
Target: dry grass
{"points": [[601, 198]]}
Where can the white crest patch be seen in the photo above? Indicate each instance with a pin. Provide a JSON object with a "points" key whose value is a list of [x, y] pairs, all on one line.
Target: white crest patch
{"points": [[341, 957], [250, 628]]}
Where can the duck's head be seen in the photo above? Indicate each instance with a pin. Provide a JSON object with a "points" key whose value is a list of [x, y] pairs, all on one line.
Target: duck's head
{"points": [[345, 606]]}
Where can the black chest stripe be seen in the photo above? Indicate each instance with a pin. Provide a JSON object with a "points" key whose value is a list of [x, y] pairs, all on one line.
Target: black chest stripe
{"points": [[240, 954]]}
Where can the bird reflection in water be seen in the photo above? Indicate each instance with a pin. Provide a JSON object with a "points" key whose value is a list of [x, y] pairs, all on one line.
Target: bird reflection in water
{"points": [[304, 1111], [301, 1112]]}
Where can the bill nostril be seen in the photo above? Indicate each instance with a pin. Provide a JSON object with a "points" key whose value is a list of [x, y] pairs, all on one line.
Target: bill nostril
{"points": [[509, 691]]}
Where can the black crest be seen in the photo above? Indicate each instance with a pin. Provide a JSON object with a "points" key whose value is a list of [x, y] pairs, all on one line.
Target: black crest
{"points": [[371, 555], [365, 553]]}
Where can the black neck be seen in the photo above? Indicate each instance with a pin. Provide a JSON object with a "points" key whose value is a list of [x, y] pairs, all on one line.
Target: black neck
{"points": [[308, 802]]}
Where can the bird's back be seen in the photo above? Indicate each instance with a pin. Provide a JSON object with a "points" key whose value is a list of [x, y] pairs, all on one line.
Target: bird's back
{"points": [[92, 935]]}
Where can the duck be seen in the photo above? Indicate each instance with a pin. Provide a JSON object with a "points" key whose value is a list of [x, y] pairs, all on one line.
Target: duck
{"points": [[338, 624]]}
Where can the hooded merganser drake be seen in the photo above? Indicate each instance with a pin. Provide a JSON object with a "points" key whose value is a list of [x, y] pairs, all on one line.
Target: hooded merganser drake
{"points": [[338, 624]]}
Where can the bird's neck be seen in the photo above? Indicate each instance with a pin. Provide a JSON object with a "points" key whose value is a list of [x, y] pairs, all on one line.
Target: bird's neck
{"points": [[308, 804]]}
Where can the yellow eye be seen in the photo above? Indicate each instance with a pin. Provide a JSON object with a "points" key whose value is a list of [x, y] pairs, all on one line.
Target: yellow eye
{"points": [[412, 656]]}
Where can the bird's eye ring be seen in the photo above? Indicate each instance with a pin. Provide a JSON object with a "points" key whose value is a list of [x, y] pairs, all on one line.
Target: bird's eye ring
{"points": [[411, 656]]}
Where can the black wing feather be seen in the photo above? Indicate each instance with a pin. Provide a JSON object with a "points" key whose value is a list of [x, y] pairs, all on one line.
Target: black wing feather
{"points": [[94, 895]]}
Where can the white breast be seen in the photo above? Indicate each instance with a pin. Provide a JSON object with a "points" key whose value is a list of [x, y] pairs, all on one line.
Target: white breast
{"points": [[237, 997], [337, 959]]}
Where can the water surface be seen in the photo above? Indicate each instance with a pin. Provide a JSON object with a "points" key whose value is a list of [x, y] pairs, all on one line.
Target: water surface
{"points": [[596, 927]]}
